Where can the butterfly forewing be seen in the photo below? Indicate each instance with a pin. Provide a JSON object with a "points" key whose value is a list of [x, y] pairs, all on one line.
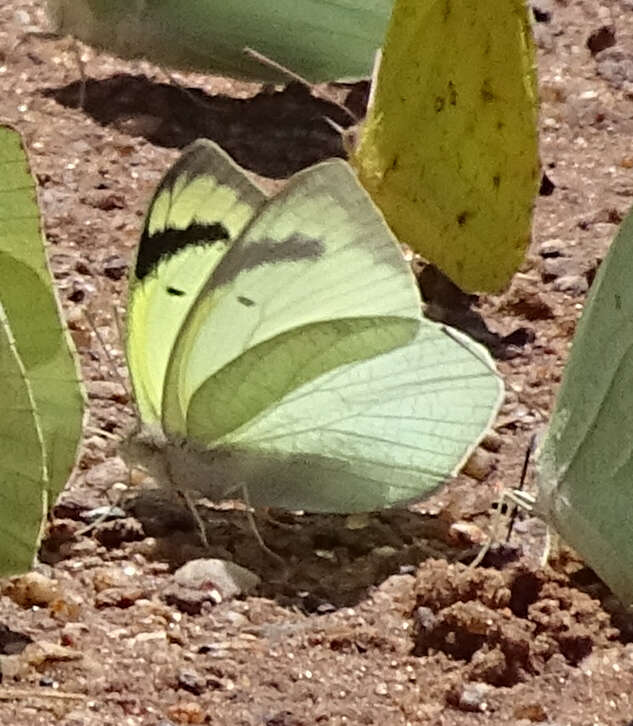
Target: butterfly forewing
{"points": [[319, 251], [586, 460], [201, 205]]}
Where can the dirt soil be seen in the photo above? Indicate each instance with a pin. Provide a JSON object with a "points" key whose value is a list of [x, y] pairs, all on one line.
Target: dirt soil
{"points": [[374, 620]]}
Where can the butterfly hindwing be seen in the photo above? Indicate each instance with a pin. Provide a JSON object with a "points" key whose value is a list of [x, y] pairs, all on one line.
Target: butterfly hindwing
{"points": [[366, 435]]}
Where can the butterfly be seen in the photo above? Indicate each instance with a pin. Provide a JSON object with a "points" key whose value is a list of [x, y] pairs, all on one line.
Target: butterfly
{"points": [[277, 350], [585, 462], [449, 148]]}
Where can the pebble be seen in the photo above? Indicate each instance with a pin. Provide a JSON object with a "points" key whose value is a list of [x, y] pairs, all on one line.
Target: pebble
{"points": [[43, 651], [114, 267], [227, 578], [192, 682], [532, 712], [574, 284], [187, 712], [492, 441], [472, 697], [104, 475], [190, 601], [116, 597], [554, 267], [551, 248], [480, 464], [114, 534], [32, 589], [105, 514], [381, 689], [107, 391]]}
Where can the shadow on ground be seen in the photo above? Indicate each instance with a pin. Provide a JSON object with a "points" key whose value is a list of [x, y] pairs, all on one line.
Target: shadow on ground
{"points": [[272, 133]]}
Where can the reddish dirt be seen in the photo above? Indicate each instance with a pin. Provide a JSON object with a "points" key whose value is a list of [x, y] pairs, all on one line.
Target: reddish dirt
{"points": [[370, 622]]}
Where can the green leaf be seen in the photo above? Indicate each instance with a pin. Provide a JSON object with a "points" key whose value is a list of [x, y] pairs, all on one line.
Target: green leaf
{"points": [[318, 39], [40, 341]]}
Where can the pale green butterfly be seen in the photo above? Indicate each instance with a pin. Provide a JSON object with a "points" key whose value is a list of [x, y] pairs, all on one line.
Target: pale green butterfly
{"points": [[40, 397], [585, 471], [276, 346], [318, 39]]}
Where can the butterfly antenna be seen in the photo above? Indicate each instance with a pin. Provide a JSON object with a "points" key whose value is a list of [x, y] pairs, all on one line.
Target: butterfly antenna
{"points": [[323, 96]]}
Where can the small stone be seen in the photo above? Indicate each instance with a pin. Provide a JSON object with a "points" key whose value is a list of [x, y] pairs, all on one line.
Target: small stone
{"points": [[237, 620], [531, 711], [190, 601], [471, 697], [227, 578], [492, 441], [192, 682], [573, 284], [554, 267], [104, 578], [12, 666], [381, 689], [466, 533], [32, 589], [67, 607], [114, 267], [102, 514], [551, 248], [107, 391], [114, 534], [104, 475], [72, 633], [425, 618], [187, 712], [480, 464], [358, 520], [42, 652], [384, 551], [115, 597]]}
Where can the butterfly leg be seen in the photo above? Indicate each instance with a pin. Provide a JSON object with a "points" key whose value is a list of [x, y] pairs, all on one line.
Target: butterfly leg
{"points": [[191, 505], [256, 532]]}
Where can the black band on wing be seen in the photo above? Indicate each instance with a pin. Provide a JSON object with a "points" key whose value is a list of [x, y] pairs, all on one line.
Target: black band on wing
{"points": [[162, 245]]}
